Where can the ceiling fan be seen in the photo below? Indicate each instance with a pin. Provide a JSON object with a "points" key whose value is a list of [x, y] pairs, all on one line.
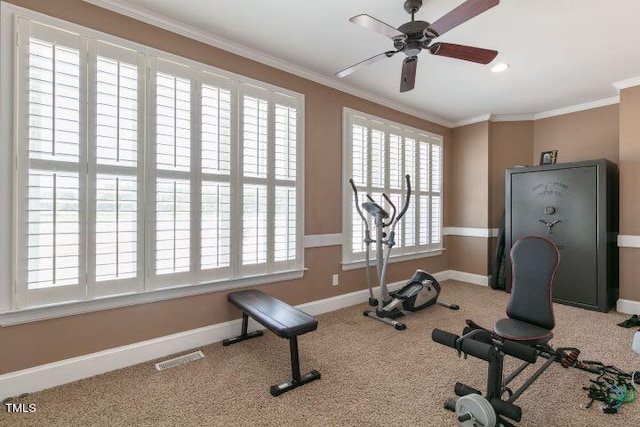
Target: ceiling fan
{"points": [[414, 36]]}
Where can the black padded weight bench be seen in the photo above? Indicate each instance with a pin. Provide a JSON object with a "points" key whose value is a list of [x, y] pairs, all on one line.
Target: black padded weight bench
{"points": [[283, 320], [524, 334]]}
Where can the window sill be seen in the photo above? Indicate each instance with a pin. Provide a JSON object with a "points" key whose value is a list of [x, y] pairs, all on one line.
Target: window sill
{"points": [[106, 303], [354, 265]]}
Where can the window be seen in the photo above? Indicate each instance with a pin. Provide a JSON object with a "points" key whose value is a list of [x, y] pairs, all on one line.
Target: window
{"points": [[377, 155], [139, 171]]}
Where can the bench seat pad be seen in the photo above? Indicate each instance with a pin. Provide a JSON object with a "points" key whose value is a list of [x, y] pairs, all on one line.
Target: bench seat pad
{"points": [[524, 333], [279, 317]]}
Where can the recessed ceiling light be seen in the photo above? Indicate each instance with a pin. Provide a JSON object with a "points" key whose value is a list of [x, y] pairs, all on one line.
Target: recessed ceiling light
{"points": [[500, 67]]}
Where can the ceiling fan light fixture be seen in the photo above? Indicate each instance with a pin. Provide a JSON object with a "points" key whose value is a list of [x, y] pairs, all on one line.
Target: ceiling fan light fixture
{"points": [[500, 67]]}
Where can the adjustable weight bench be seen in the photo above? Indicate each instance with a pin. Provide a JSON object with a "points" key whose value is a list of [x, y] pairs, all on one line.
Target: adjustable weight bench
{"points": [[283, 320], [524, 334]]}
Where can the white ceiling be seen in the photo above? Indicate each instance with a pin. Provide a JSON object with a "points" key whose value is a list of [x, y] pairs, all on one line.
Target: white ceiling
{"points": [[561, 52]]}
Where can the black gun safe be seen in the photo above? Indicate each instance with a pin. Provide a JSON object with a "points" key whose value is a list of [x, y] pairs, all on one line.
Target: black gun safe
{"points": [[576, 206]]}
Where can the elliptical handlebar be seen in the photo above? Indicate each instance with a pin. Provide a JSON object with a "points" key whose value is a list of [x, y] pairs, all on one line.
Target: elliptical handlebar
{"points": [[407, 198], [355, 196], [393, 215], [394, 219]]}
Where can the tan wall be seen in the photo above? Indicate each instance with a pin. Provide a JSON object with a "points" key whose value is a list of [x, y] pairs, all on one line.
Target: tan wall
{"points": [[629, 274], [629, 190], [511, 145], [469, 168], [468, 254], [585, 135], [630, 161], [468, 195], [47, 341]]}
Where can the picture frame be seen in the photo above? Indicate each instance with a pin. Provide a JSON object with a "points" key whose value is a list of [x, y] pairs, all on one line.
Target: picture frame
{"points": [[548, 157]]}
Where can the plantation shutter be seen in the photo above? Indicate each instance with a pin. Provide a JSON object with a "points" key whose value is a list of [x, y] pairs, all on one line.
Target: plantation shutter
{"points": [[137, 170], [286, 174], [423, 193], [360, 172], [377, 156], [171, 156], [51, 153], [409, 222], [270, 132], [395, 182], [255, 133], [216, 105], [436, 192], [115, 173]]}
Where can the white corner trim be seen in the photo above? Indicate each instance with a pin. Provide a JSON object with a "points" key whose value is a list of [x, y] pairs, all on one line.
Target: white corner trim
{"points": [[472, 120], [65, 371], [625, 84], [470, 232], [321, 240], [579, 107], [628, 306], [626, 241], [183, 29], [476, 279]]}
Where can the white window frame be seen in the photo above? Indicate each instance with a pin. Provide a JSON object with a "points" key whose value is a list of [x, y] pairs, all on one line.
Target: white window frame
{"points": [[13, 309], [350, 118]]}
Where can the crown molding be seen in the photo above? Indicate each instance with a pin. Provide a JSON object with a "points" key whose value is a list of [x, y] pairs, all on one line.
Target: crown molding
{"points": [[514, 118], [183, 29], [624, 84], [538, 116], [579, 107], [473, 120]]}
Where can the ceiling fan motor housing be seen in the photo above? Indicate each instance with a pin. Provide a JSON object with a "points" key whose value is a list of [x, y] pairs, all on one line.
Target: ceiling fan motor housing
{"points": [[412, 6], [417, 38]]}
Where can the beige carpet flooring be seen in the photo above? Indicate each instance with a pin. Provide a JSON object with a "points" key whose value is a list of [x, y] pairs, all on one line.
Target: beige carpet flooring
{"points": [[372, 375]]}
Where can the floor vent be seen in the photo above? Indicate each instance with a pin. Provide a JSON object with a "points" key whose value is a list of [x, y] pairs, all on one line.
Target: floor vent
{"points": [[180, 360]]}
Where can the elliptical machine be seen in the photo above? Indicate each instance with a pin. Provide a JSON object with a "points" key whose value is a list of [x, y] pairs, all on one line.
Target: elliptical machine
{"points": [[420, 292]]}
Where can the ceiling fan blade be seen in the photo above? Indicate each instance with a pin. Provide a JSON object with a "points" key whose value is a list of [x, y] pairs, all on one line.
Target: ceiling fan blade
{"points": [[461, 14], [361, 64], [467, 53], [374, 24], [409, 67]]}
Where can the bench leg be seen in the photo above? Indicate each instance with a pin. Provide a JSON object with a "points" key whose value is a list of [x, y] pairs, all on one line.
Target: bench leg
{"points": [[244, 335], [297, 380]]}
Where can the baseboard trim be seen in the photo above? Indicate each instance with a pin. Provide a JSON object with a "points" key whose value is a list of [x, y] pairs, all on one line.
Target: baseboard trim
{"points": [[628, 306], [65, 371], [476, 279]]}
